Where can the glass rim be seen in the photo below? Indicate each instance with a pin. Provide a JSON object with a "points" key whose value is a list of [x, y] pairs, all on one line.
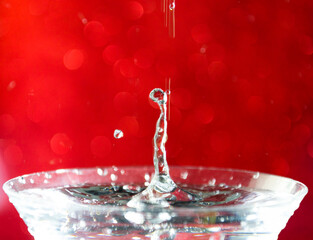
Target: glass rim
{"points": [[297, 197]]}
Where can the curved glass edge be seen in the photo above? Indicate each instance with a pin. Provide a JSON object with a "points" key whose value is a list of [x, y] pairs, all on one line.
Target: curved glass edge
{"points": [[297, 198]]}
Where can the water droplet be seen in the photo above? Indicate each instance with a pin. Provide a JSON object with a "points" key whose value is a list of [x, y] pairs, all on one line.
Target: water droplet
{"points": [[82, 224], [164, 216], [31, 181], [212, 182], [102, 172], [45, 181], [184, 175], [132, 188], [118, 134], [22, 180], [122, 172], [256, 175], [48, 176], [134, 217], [172, 6], [113, 177], [147, 177], [60, 171], [78, 172]]}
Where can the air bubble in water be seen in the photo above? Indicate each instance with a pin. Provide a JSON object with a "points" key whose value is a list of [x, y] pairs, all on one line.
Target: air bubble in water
{"points": [[118, 134]]}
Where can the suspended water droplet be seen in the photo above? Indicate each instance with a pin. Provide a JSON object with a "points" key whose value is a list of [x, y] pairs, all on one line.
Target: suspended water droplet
{"points": [[118, 134], [172, 6]]}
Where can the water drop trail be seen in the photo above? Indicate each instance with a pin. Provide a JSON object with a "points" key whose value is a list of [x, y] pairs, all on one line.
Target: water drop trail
{"points": [[169, 9]]}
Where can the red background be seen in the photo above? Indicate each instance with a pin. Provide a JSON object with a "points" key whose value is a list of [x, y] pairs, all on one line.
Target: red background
{"points": [[71, 72]]}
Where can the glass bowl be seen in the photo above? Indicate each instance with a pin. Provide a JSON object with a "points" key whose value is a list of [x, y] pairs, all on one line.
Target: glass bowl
{"points": [[242, 205]]}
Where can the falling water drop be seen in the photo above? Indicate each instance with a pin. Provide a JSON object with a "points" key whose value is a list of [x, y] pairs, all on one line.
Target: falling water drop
{"points": [[172, 6], [118, 134]]}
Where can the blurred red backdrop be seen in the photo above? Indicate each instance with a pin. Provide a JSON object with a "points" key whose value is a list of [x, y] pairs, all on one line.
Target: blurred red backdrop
{"points": [[71, 72]]}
